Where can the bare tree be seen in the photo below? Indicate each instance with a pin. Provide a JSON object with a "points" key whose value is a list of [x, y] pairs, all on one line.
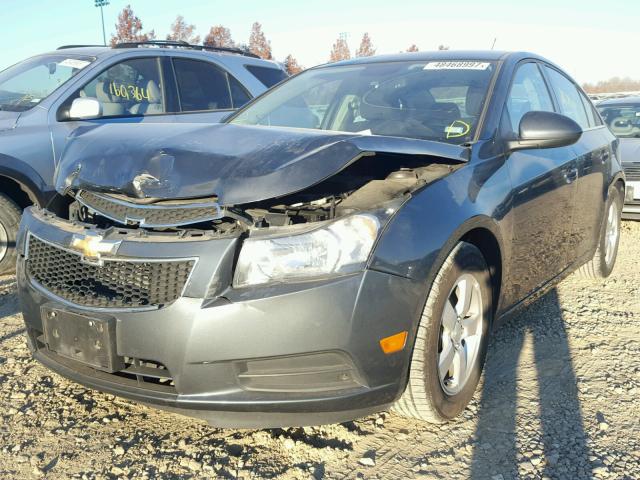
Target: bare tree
{"points": [[366, 48], [340, 50], [258, 43], [182, 32], [413, 48], [291, 65], [613, 85], [219, 36], [129, 28]]}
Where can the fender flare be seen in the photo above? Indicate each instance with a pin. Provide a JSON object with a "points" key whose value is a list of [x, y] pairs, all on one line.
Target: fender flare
{"points": [[28, 179], [472, 223]]}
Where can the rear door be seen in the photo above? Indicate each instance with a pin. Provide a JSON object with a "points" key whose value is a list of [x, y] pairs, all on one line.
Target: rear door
{"points": [[543, 191], [205, 91], [593, 157]]}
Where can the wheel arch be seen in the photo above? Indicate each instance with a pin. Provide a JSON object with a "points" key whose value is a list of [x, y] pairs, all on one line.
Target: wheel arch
{"points": [[22, 184], [485, 240]]}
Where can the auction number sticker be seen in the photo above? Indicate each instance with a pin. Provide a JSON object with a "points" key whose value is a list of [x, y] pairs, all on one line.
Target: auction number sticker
{"points": [[74, 63], [457, 65]]}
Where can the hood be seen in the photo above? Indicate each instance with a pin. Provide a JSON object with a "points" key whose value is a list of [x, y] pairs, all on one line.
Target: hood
{"points": [[8, 120], [237, 164], [629, 150]]}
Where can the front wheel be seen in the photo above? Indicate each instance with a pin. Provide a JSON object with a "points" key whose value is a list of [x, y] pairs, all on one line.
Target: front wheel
{"points": [[603, 261], [451, 341], [10, 215]]}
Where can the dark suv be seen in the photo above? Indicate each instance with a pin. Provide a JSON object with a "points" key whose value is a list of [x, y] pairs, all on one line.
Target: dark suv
{"points": [[346, 242], [44, 99]]}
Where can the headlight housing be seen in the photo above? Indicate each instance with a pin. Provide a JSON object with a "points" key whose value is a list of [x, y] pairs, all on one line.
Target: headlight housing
{"points": [[337, 248]]}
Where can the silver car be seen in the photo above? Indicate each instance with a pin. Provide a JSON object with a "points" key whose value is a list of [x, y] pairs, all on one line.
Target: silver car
{"points": [[46, 98], [622, 115]]}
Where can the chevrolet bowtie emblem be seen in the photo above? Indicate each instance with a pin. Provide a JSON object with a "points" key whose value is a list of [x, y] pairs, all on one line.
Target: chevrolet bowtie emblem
{"points": [[92, 246]]}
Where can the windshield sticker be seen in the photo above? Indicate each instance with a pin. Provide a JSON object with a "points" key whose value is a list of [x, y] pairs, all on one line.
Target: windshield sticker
{"points": [[457, 129], [74, 63], [129, 91], [457, 65]]}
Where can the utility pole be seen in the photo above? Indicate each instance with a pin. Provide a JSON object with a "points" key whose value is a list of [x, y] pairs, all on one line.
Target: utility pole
{"points": [[101, 4]]}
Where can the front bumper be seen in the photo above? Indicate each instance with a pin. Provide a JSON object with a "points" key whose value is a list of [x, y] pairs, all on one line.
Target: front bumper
{"points": [[280, 355]]}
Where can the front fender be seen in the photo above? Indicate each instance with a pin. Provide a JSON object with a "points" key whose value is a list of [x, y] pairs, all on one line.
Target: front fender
{"points": [[31, 182], [419, 237]]}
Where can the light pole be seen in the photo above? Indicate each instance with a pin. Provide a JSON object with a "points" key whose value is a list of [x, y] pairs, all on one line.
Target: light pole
{"points": [[102, 3]]}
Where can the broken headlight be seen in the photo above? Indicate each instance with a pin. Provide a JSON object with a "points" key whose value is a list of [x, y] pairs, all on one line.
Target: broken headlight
{"points": [[337, 248]]}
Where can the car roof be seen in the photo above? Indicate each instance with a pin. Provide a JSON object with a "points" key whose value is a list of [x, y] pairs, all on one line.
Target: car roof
{"points": [[104, 52], [631, 100], [440, 55]]}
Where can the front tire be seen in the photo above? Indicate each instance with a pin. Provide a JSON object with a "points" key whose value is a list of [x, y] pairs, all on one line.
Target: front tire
{"points": [[603, 261], [10, 215], [451, 341]]}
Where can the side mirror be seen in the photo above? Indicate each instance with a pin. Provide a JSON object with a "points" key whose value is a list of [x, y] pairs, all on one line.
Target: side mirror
{"points": [[84, 108], [545, 130]]}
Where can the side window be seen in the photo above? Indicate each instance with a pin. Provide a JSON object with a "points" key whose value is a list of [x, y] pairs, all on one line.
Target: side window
{"points": [[568, 97], [267, 76], [528, 93], [592, 114], [130, 88], [201, 86], [239, 94]]}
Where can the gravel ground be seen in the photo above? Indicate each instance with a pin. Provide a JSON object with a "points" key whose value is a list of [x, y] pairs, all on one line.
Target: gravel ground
{"points": [[560, 400]]}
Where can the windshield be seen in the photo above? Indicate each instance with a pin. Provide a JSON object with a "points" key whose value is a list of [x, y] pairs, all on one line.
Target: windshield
{"points": [[426, 100], [623, 120], [26, 84]]}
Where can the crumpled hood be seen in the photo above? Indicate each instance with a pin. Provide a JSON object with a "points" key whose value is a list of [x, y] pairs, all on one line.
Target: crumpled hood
{"points": [[238, 164], [8, 120], [629, 150]]}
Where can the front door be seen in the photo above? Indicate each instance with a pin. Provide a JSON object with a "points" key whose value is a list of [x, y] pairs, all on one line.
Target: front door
{"points": [[543, 193]]}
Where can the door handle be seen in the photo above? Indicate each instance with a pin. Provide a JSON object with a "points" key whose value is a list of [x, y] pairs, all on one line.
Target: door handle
{"points": [[571, 175]]}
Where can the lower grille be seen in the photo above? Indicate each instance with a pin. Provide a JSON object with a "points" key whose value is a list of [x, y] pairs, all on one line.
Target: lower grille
{"points": [[147, 372], [115, 284], [632, 172]]}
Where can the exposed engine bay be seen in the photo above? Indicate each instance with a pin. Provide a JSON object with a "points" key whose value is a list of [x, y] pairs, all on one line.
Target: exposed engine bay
{"points": [[369, 182]]}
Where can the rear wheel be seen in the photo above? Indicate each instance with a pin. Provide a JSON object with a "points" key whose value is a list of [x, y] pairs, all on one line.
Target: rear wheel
{"points": [[451, 341], [603, 261], [10, 215]]}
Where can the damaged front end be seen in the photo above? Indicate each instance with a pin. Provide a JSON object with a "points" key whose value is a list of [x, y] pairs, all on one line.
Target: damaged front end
{"points": [[296, 199], [202, 295]]}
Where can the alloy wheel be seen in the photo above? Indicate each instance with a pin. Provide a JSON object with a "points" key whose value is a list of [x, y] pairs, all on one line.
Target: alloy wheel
{"points": [[461, 331], [612, 233], [4, 242]]}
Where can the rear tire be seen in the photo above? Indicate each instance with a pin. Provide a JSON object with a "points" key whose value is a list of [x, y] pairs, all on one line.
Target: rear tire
{"points": [[436, 393], [10, 215], [604, 260]]}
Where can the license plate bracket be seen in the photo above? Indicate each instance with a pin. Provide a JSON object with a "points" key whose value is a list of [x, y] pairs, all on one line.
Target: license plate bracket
{"points": [[88, 340]]}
